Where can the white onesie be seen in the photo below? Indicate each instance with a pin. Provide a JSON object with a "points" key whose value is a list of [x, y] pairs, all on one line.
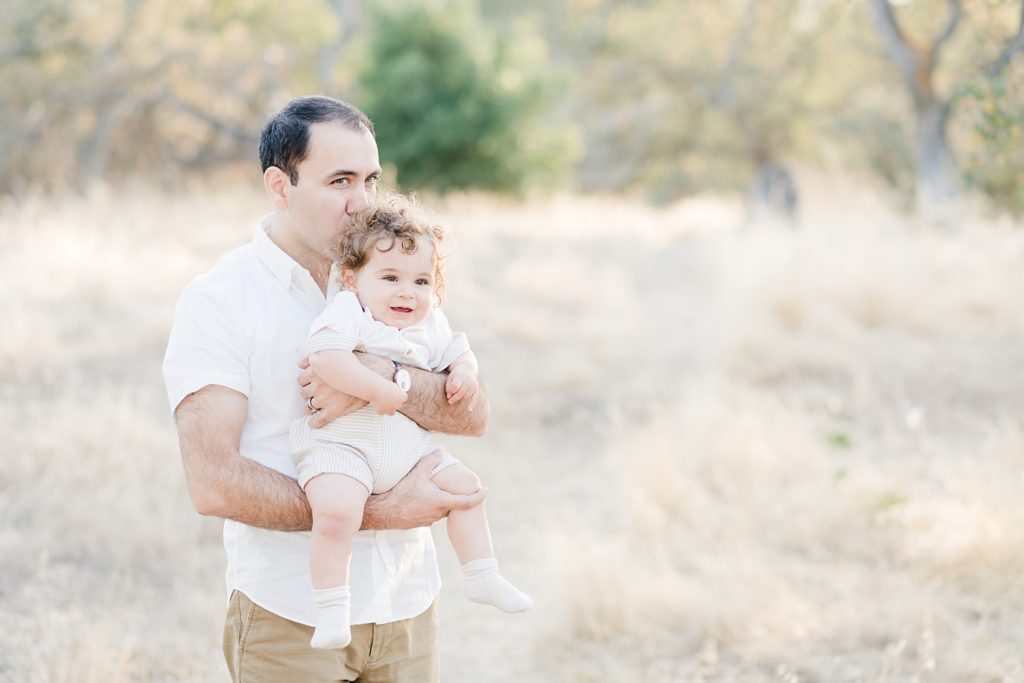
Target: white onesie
{"points": [[377, 450]]}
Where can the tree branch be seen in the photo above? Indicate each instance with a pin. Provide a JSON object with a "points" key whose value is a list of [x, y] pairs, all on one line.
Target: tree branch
{"points": [[227, 128], [896, 44], [348, 20], [955, 14], [725, 95], [1014, 45]]}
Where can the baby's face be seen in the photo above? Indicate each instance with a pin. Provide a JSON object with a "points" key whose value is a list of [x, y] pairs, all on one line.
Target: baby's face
{"points": [[398, 288]]}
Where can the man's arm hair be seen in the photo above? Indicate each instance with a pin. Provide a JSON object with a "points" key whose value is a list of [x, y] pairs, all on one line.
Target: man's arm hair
{"points": [[427, 405], [223, 483]]}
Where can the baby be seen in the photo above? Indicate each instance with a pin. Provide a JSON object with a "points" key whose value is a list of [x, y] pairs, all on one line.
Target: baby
{"points": [[390, 269]]}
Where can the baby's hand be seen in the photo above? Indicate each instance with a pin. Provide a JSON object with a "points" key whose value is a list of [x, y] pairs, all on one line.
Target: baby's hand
{"points": [[462, 384], [389, 400]]}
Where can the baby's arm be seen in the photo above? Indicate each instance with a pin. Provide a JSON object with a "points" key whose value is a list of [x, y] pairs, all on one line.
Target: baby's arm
{"points": [[341, 370], [463, 382]]}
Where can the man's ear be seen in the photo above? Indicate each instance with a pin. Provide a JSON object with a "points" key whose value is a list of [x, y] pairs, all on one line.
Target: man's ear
{"points": [[276, 182]]}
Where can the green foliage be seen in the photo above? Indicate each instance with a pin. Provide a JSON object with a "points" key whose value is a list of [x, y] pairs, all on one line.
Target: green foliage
{"points": [[454, 105], [839, 440], [994, 162], [887, 500]]}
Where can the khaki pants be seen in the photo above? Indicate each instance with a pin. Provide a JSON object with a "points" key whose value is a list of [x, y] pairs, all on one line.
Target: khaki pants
{"points": [[260, 646]]}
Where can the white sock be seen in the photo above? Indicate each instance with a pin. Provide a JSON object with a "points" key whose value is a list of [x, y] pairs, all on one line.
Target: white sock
{"points": [[483, 583], [332, 626]]}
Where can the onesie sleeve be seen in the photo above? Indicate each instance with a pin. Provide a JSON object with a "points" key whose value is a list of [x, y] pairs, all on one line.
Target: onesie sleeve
{"points": [[449, 345], [339, 327]]}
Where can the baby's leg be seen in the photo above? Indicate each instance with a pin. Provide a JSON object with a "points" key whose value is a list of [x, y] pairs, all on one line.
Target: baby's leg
{"points": [[467, 529], [470, 535], [337, 502]]}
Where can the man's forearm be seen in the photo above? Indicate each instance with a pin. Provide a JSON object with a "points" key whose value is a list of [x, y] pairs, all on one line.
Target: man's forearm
{"points": [[246, 491], [427, 405], [378, 513], [220, 481], [283, 506]]}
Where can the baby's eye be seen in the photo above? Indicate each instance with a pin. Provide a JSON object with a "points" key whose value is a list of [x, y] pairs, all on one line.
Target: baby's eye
{"points": [[423, 281], [391, 278]]}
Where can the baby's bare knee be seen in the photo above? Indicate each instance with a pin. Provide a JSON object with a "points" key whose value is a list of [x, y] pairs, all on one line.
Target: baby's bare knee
{"points": [[337, 521], [458, 479]]}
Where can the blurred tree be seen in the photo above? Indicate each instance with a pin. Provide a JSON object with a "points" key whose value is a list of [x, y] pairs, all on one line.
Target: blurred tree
{"points": [[457, 106], [348, 18], [937, 173], [935, 170], [989, 117], [670, 97], [994, 159], [117, 88], [680, 97]]}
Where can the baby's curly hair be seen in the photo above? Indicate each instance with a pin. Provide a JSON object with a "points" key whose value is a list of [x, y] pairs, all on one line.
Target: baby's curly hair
{"points": [[396, 220]]}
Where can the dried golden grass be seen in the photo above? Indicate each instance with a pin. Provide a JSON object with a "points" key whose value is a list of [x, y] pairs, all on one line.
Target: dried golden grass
{"points": [[717, 453]]}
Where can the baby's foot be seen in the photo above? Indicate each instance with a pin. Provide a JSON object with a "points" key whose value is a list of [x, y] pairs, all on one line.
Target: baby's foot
{"points": [[332, 629], [483, 583]]}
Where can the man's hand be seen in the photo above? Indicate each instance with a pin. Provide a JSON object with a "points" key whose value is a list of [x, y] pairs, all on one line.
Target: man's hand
{"points": [[416, 500], [461, 384], [328, 403]]}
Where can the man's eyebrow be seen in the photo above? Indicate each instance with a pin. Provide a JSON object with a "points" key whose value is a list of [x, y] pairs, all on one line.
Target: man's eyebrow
{"points": [[342, 173]]}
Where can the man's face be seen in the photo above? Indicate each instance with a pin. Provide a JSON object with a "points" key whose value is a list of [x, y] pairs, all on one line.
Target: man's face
{"points": [[398, 288], [337, 178]]}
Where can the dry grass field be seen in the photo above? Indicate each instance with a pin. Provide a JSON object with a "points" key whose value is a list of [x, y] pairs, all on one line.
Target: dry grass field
{"points": [[717, 453]]}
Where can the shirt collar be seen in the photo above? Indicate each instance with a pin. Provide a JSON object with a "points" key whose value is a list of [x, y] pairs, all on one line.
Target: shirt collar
{"points": [[273, 257], [283, 266]]}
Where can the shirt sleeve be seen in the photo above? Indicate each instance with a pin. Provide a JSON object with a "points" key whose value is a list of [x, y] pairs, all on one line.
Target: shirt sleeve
{"points": [[206, 345], [449, 345], [339, 327]]}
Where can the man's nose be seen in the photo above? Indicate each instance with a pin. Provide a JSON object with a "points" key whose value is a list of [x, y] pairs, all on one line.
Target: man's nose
{"points": [[358, 200]]}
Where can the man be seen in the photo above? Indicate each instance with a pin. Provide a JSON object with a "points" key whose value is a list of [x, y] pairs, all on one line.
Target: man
{"points": [[230, 373]]}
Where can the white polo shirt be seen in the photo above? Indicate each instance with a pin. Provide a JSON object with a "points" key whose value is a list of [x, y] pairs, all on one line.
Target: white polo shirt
{"points": [[237, 326]]}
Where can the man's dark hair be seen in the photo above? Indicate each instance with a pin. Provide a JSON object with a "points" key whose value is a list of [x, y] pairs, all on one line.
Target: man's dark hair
{"points": [[284, 141]]}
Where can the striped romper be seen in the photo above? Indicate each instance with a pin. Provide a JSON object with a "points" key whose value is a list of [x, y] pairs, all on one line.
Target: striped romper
{"points": [[376, 450]]}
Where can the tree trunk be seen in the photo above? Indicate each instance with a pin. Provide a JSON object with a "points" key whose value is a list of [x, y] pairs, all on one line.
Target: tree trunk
{"points": [[772, 193], [936, 173], [347, 17], [937, 180]]}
